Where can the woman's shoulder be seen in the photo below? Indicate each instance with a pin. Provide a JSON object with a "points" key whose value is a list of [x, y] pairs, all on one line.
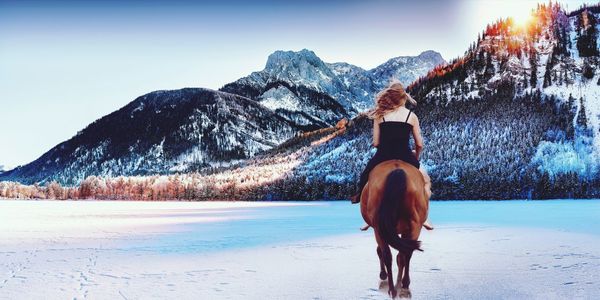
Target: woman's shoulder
{"points": [[406, 111], [413, 118]]}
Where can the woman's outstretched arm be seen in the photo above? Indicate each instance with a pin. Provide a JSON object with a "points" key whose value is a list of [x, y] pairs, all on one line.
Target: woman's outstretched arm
{"points": [[376, 122]]}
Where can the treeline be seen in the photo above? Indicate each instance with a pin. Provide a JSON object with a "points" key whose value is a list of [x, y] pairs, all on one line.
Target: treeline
{"points": [[266, 177], [474, 149], [153, 188], [468, 158]]}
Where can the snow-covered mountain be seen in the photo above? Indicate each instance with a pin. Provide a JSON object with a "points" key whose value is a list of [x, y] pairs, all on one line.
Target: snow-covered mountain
{"points": [[556, 59], [516, 117], [406, 68], [189, 129], [298, 85], [162, 132], [306, 90]]}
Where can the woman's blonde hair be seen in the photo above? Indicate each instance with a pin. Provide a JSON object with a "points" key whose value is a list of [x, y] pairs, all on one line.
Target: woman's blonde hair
{"points": [[389, 99]]}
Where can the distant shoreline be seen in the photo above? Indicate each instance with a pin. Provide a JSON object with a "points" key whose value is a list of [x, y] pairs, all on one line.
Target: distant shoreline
{"points": [[284, 201]]}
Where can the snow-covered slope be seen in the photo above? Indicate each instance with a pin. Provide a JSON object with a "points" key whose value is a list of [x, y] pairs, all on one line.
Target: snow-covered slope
{"points": [[294, 82], [516, 117], [298, 86], [406, 68], [498, 123], [162, 132], [182, 130], [556, 59]]}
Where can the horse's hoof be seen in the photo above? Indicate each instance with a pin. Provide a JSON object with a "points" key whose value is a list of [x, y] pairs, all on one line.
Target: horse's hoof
{"points": [[383, 275], [393, 293], [405, 293]]}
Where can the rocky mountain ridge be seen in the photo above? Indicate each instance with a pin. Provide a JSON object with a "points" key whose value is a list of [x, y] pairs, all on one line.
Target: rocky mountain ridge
{"points": [[193, 128]]}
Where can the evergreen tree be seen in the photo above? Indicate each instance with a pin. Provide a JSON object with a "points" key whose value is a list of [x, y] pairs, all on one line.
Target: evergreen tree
{"points": [[547, 77], [582, 118], [587, 35], [588, 70], [533, 62], [571, 101], [489, 68], [525, 79]]}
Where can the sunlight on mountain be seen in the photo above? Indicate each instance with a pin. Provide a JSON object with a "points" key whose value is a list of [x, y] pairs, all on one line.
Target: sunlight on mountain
{"points": [[521, 19]]}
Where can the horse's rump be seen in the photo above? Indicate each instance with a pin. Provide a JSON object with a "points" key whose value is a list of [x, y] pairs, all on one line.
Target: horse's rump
{"points": [[393, 207]]}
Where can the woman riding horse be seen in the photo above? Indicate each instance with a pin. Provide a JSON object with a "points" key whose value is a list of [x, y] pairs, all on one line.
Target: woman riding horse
{"points": [[393, 124]]}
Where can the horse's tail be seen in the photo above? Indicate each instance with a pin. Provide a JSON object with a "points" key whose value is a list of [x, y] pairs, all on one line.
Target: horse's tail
{"points": [[393, 198]]}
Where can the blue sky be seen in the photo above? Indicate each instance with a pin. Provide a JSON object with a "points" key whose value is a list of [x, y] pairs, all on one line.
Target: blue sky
{"points": [[64, 64]]}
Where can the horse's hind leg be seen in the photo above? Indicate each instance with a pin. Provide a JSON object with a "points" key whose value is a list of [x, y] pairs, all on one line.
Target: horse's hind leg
{"points": [[387, 259], [413, 235], [400, 260], [382, 273], [406, 277]]}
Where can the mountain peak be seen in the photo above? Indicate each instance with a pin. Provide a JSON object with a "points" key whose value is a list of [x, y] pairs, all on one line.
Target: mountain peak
{"points": [[282, 58], [406, 68], [432, 55]]}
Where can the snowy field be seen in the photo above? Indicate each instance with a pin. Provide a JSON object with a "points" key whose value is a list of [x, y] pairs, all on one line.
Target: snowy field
{"points": [[299, 250]]}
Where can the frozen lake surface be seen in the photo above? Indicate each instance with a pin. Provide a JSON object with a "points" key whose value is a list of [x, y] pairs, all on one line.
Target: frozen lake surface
{"points": [[291, 250]]}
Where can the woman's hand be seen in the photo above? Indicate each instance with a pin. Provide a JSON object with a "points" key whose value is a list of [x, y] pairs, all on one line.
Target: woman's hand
{"points": [[414, 152]]}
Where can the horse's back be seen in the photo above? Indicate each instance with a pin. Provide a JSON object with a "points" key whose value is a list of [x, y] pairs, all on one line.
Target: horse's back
{"points": [[414, 179]]}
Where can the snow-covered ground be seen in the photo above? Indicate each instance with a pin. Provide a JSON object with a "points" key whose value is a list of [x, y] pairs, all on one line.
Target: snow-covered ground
{"points": [[296, 250]]}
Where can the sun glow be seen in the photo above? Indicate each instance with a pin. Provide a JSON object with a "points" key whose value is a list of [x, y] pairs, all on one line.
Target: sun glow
{"points": [[521, 20], [520, 11]]}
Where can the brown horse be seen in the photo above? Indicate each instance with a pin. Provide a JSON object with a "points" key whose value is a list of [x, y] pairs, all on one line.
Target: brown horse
{"points": [[394, 202]]}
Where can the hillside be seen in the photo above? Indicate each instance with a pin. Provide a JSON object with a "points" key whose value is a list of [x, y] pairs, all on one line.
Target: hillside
{"points": [[514, 118], [160, 133], [310, 92], [186, 130]]}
